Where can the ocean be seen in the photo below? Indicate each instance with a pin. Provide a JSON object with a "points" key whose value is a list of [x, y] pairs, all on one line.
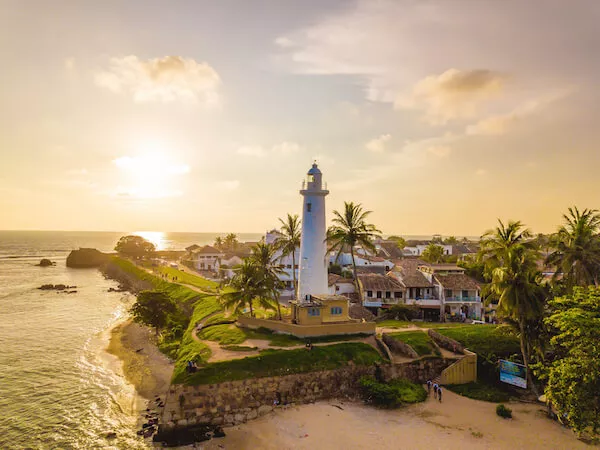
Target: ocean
{"points": [[59, 388]]}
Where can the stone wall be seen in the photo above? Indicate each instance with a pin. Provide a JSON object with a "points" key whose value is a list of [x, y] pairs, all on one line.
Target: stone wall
{"points": [[399, 347], [446, 342], [303, 331], [235, 402]]}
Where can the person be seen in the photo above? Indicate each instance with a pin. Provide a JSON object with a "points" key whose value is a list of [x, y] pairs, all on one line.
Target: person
{"points": [[429, 383], [435, 390], [439, 392]]}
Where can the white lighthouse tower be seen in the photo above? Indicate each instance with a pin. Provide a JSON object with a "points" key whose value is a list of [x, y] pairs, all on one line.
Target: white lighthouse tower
{"points": [[312, 278]]}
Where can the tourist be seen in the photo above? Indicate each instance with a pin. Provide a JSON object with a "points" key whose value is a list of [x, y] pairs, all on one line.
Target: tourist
{"points": [[429, 383], [439, 392], [435, 390]]}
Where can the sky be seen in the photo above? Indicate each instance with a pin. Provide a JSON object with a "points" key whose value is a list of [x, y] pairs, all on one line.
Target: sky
{"points": [[440, 116]]}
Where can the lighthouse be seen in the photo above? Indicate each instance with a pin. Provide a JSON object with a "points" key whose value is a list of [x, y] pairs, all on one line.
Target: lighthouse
{"points": [[312, 277]]}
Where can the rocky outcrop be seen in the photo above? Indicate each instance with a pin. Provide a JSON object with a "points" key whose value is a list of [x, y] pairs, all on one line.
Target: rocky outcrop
{"points": [[127, 281], [399, 347], [85, 258], [46, 263]]}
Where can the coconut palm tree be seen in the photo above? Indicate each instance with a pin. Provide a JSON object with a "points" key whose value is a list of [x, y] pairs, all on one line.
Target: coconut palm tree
{"points": [[219, 243], [269, 272], [510, 259], [577, 248], [244, 287], [289, 242], [350, 228]]}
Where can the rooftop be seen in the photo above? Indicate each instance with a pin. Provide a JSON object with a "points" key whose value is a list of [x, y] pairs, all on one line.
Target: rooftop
{"points": [[377, 282], [334, 278], [457, 281]]}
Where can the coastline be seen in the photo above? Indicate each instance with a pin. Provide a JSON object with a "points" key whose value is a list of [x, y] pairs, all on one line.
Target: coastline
{"points": [[143, 365]]}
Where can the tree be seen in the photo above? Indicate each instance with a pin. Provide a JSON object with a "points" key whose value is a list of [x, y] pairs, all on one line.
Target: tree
{"points": [[243, 287], [451, 240], [153, 308], [433, 253], [289, 242], [573, 378], [219, 243], [577, 249], [400, 241], [135, 247], [350, 229], [230, 242], [510, 265], [269, 272]]}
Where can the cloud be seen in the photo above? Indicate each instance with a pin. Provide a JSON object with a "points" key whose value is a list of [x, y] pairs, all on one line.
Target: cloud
{"points": [[252, 150], [150, 165], [378, 144], [229, 185], [439, 150], [500, 124], [454, 94], [286, 148], [323, 159], [70, 64], [167, 79], [481, 172]]}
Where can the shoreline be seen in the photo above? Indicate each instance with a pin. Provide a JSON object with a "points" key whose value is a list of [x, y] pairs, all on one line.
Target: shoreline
{"points": [[142, 363]]}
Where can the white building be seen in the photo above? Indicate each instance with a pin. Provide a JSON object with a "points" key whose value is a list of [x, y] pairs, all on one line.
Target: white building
{"points": [[206, 258], [312, 277], [418, 249]]}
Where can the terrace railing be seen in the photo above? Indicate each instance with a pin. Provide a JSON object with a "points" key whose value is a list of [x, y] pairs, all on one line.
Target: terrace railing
{"points": [[463, 299]]}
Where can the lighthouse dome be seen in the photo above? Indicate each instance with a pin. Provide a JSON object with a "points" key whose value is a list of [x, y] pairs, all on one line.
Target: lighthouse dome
{"points": [[314, 170]]}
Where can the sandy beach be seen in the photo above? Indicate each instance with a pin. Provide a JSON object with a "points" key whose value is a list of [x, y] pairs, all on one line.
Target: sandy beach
{"points": [[144, 366], [457, 423]]}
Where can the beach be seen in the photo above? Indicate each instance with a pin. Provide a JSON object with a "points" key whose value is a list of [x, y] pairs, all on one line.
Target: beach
{"points": [[457, 423], [144, 366]]}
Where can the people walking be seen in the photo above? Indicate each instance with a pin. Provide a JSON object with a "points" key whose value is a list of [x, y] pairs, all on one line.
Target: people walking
{"points": [[435, 390], [439, 392], [429, 384]]}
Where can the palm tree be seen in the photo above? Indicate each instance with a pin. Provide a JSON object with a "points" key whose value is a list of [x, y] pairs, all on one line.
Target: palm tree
{"points": [[219, 243], [350, 229], [289, 242], [577, 248], [433, 253], [231, 241], [510, 259], [269, 272], [244, 287]]}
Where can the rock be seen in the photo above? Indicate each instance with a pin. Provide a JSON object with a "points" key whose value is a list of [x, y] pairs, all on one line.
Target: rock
{"points": [[110, 435], [57, 287], [46, 263], [264, 409], [86, 258], [252, 414]]}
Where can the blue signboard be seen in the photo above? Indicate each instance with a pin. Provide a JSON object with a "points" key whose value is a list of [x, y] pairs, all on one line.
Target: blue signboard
{"points": [[513, 373]]}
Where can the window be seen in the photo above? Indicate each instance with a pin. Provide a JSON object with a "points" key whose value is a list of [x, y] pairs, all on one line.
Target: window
{"points": [[378, 294], [310, 178], [388, 294], [309, 207], [296, 267], [336, 311], [369, 293], [337, 288], [465, 293], [448, 293], [397, 294], [289, 266], [314, 312]]}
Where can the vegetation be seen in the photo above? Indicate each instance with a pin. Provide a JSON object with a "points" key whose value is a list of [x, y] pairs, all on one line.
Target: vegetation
{"points": [[400, 241], [393, 394], [573, 376], [577, 249], [269, 273], [282, 362], [484, 339], [479, 390], [289, 242], [135, 247], [511, 258], [400, 312], [350, 229], [188, 278], [433, 253], [418, 340], [229, 243], [392, 323], [503, 411], [153, 308], [239, 348]]}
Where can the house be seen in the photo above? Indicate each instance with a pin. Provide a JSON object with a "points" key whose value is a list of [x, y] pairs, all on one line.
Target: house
{"points": [[418, 249], [288, 263], [207, 258], [380, 291], [339, 285], [420, 291], [192, 248], [320, 309]]}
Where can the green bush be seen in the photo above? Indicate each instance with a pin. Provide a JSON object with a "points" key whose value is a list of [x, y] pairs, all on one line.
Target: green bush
{"points": [[503, 411], [393, 394], [480, 391]]}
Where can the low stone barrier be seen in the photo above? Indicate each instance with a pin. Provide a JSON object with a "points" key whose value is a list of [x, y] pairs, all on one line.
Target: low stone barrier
{"points": [[399, 347], [384, 349], [446, 342], [307, 331]]}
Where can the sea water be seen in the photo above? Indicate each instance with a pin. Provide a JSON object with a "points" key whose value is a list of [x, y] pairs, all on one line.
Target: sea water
{"points": [[58, 386]]}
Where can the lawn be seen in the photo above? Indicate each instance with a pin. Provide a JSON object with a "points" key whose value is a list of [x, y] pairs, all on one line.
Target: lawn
{"points": [[418, 340], [485, 339], [188, 278], [282, 362], [481, 391]]}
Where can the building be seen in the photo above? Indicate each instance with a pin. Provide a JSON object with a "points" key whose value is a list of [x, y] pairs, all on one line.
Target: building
{"points": [[380, 291], [320, 310], [339, 285], [312, 276], [289, 264], [206, 258]]}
